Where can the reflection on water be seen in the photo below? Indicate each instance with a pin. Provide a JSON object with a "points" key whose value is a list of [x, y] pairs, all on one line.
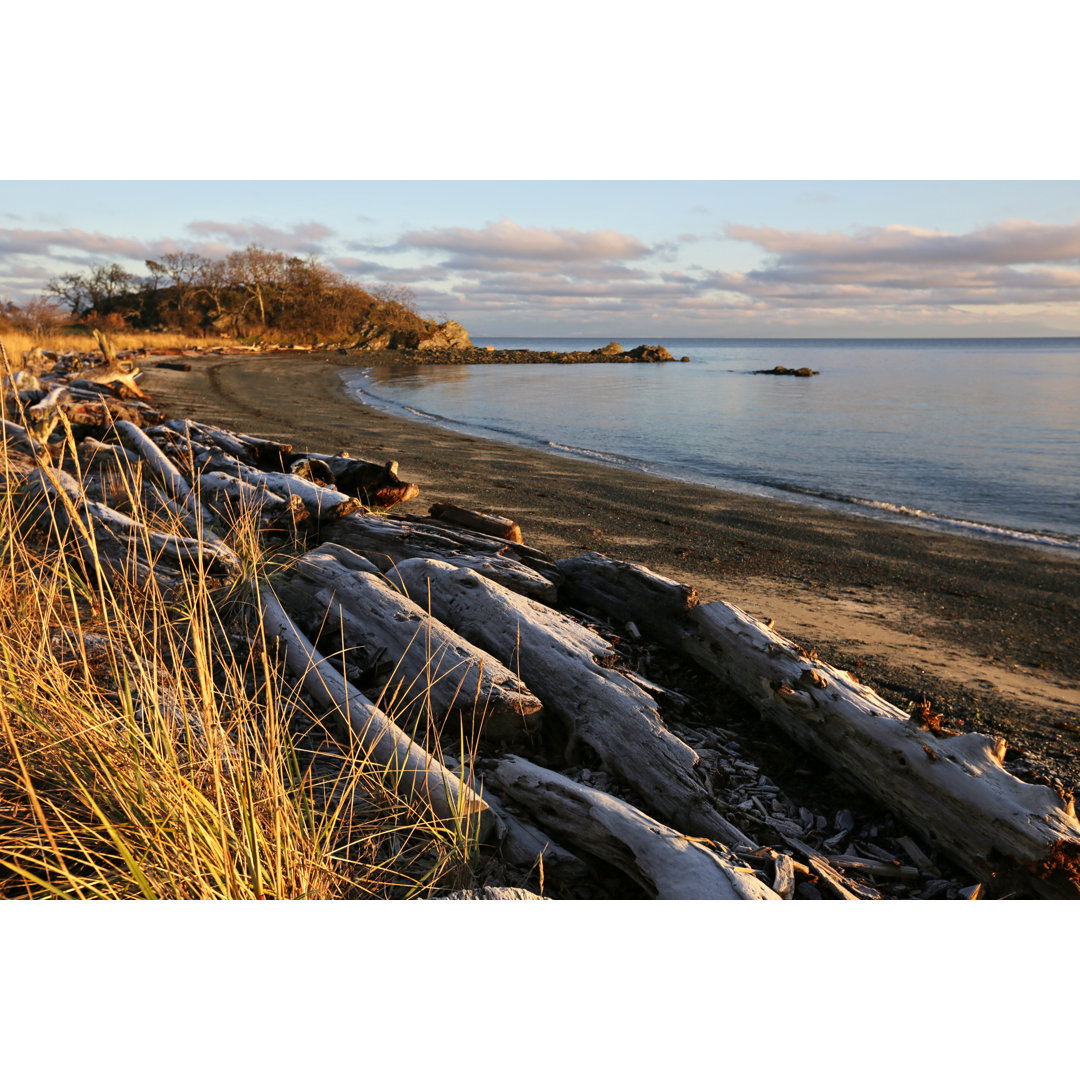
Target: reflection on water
{"points": [[976, 431]]}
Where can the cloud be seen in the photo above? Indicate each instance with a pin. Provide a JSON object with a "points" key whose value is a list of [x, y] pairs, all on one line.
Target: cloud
{"points": [[902, 266], [65, 241], [504, 242], [306, 237], [1006, 243], [356, 267]]}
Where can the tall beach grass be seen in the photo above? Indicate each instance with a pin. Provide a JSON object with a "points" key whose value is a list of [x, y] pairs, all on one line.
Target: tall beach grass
{"points": [[149, 746]]}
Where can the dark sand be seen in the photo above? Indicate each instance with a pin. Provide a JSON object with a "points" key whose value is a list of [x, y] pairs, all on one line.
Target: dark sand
{"points": [[988, 631]]}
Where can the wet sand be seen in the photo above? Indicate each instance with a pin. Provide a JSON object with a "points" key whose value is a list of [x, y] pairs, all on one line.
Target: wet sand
{"points": [[988, 631]]}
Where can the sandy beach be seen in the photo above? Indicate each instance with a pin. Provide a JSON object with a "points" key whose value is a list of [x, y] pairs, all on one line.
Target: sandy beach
{"points": [[988, 631]]}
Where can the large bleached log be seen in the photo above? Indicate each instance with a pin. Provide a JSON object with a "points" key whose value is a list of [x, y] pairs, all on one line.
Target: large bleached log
{"points": [[626, 592], [238, 496], [953, 790], [524, 845], [480, 541], [203, 437], [406, 764], [604, 710], [262, 453], [176, 487], [387, 541], [432, 667], [664, 862], [182, 500]]}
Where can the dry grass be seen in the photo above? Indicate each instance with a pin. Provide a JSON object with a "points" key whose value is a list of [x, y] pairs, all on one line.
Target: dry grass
{"points": [[149, 747], [17, 343]]}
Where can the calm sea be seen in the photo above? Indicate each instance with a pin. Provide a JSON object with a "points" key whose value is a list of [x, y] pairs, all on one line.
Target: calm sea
{"points": [[980, 436]]}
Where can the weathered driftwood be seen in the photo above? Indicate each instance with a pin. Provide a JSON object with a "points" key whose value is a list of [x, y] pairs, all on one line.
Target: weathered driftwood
{"points": [[430, 666], [106, 536], [603, 710], [203, 436], [234, 498], [524, 845], [387, 541], [87, 408], [169, 476], [376, 485], [481, 542], [784, 877], [18, 438], [664, 862], [406, 764], [627, 593], [492, 524], [953, 790], [182, 501], [323, 503]]}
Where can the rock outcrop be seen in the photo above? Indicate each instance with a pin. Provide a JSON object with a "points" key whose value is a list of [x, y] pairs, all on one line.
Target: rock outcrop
{"points": [[801, 373], [650, 353], [612, 348], [447, 335]]}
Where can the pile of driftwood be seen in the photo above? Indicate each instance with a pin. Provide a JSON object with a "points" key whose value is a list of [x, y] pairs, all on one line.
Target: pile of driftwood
{"points": [[575, 759]]}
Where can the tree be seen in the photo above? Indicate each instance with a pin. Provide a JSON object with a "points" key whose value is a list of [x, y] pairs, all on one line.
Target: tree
{"points": [[70, 289], [102, 288]]}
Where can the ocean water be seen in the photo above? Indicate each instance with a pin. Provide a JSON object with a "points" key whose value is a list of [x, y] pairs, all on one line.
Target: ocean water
{"points": [[980, 436]]}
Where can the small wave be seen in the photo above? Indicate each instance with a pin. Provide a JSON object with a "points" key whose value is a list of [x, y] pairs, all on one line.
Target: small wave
{"points": [[596, 455], [929, 517]]}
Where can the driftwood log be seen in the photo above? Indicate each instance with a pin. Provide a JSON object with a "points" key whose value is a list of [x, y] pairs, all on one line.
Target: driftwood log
{"points": [[375, 485], [405, 763], [387, 541], [603, 710], [108, 538], [664, 862], [954, 790], [320, 502], [492, 524], [429, 667], [524, 845]]}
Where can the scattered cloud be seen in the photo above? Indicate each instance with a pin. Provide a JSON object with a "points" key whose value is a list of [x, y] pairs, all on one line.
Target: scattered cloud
{"points": [[502, 242], [306, 238], [1006, 243]]}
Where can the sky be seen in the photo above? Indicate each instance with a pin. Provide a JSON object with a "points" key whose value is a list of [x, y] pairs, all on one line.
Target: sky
{"points": [[566, 173], [623, 258]]}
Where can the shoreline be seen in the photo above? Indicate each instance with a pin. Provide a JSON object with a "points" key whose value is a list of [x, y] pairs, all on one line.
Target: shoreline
{"points": [[988, 630], [848, 505]]}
